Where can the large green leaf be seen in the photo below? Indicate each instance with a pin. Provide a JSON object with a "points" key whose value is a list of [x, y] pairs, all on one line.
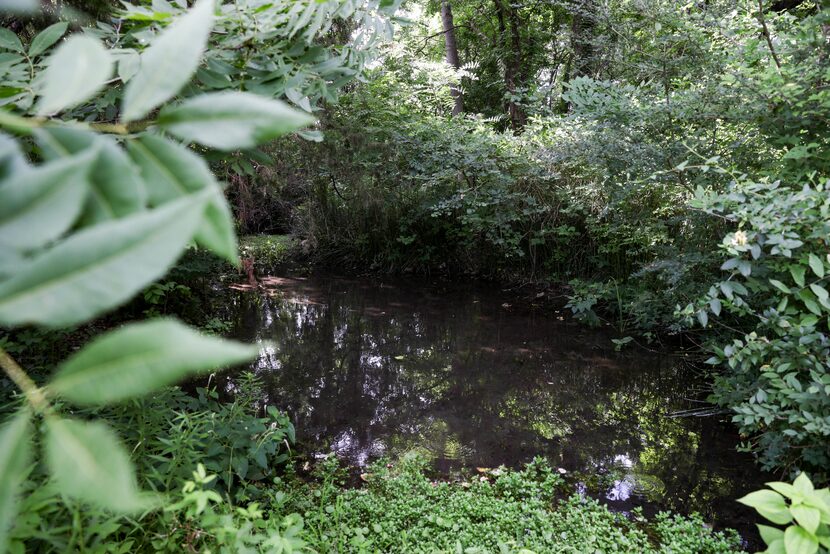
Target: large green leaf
{"points": [[169, 62], [140, 358], [769, 504], [100, 267], [38, 204], [76, 71], [170, 170], [15, 456], [9, 40], [90, 464], [799, 541], [116, 189], [47, 37], [232, 120]]}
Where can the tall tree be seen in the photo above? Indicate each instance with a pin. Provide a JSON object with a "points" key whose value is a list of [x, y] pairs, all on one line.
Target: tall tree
{"points": [[514, 72], [582, 39], [452, 53]]}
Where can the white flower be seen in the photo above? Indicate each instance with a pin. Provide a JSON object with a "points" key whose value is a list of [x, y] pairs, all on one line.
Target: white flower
{"points": [[739, 238]]}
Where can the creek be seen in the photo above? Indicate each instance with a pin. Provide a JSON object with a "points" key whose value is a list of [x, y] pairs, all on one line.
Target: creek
{"points": [[472, 379]]}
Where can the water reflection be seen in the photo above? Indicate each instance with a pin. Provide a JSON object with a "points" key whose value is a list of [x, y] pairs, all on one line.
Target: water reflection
{"points": [[368, 369]]}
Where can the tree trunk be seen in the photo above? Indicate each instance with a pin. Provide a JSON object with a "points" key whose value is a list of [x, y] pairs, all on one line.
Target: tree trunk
{"points": [[452, 53], [513, 72], [582, 39]]}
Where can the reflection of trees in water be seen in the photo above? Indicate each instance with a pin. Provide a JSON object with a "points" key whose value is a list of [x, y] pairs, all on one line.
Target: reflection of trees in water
{"points": [[369, 371]]}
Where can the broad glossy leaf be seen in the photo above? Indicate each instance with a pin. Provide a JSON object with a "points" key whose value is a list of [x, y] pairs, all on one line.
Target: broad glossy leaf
{"points": [[47, 37], [769, 504], [816, 265], [799, 541], [170, 171], [807, 517], [232, 120], [100, 267], [15, 456], [76, 70], [38, 204], [169, 62], [116, 188], [802, 484], [770, 534], [90, 464], [9, 40], [140, 358]]}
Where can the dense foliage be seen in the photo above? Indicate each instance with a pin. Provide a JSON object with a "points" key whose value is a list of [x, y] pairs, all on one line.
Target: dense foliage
{"points": [[681, 128], [672, 163]]}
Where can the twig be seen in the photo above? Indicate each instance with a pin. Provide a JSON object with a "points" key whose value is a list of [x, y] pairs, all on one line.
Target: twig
{"points": [[766, 34], [33, 393]]}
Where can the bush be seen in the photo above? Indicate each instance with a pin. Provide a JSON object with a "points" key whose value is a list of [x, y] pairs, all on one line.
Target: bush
{"points": [[777, 376]]}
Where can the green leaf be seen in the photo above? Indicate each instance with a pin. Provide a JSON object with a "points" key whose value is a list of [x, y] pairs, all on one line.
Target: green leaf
{"points": [[217, 230], [816, 265], [9, 41], [90, 464], [10, 261], [780, 286], [47, 38], [703, 318], [231, 120], [15, 457], [797, 271], [807, 517], [820, 292], [170, 171], [784, 488], [116, 189], [77, 70], [769, 504], [129, 63], [140, 358], [38, 204], [776, 547], [803, 484], [100, 267], [799, 541], [770, 534], [169, 62]]}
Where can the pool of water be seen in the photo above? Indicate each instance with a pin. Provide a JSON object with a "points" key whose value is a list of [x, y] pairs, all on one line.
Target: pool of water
{"points": [[472, 379]]}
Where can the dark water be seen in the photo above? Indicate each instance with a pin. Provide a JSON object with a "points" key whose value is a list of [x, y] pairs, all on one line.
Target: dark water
{"points": [[368, 369]]}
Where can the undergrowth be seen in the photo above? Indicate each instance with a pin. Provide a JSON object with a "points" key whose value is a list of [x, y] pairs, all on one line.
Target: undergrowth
{"points": [[401, 510]]}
